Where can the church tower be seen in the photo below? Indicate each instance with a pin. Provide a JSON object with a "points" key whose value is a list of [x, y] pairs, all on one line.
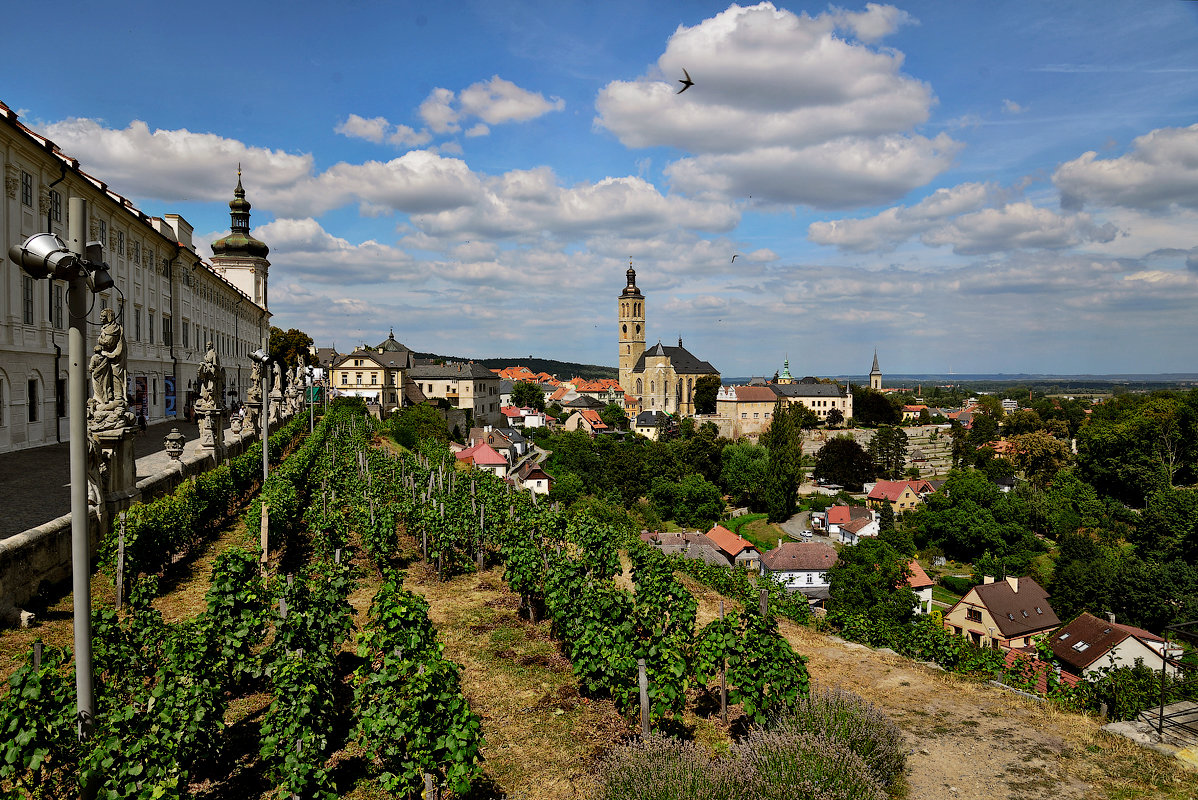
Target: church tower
{"points": [[239, 257], [632, 329], [875, 374]]}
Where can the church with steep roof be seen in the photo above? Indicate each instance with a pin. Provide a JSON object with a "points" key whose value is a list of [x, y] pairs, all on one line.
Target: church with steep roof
{"points": [[661, 378]]}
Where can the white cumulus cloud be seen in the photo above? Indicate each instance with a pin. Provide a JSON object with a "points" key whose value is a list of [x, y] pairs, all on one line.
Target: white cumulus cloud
{"points": [[1160, 171]]}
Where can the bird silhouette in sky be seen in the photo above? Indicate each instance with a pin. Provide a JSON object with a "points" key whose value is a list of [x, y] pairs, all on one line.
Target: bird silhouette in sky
{"points": [[687, 83], [734, 258]]}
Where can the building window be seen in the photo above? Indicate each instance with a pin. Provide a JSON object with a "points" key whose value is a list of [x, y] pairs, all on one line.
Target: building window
{"points": [[137, 324], [345, 379], [359, 376], [168, 335], [32, 395], [3, 408], [60, 398], [973, 615], [27, 191], [57, 321], [137, 252], [120, 243], [55, 205], [373, 379], [810, 578], [154, 392], [150, 327], [103, 233], [27, 291]]}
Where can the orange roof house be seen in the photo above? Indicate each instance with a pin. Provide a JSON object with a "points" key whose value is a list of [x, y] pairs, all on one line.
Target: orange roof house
{"points": [[737, 549]]}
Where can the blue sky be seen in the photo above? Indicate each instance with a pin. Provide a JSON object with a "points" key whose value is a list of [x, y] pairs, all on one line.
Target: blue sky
{"points": [[966, 186]]}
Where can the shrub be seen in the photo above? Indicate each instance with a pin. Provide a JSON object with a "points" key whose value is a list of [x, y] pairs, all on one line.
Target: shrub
{"points": [[956, 585], [845, 717], [783, 765], [661, 768]]}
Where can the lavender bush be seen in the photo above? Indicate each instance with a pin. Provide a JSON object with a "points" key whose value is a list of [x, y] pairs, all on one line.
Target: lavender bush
{"points": [[783, 765]]}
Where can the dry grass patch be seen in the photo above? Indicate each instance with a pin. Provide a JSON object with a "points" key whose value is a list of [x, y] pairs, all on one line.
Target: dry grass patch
{"points": [[542, 737]]}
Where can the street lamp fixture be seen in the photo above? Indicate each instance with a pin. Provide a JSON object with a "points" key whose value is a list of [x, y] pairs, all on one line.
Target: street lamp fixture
{"points": [[81, 264]]}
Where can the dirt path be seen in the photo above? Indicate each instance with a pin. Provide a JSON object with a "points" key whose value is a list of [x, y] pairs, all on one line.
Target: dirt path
{"points": [[541, 738], [973, 740]]}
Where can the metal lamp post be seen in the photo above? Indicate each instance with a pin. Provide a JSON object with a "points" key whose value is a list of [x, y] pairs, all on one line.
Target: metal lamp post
{"points": [[263, 358], [81, 265]]}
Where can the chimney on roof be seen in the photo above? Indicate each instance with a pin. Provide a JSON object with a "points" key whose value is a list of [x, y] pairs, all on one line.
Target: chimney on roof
{"points": [[987, 580], [779, 541], [1110, 617], [1014, 582]]}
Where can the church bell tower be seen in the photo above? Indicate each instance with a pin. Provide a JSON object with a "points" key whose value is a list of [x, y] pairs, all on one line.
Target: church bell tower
{"points": [[632, 329]]}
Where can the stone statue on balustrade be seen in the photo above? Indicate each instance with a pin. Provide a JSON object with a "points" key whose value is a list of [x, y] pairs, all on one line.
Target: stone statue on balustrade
{"points": [[108, 407], [211, 377]]}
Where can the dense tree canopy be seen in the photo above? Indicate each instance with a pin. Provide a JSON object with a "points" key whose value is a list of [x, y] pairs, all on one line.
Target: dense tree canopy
{"points": [[844, 462], [784, 442], [526, 394], [286, 346], [871, 578], [888, 449], [706, 389], [873, 408]]}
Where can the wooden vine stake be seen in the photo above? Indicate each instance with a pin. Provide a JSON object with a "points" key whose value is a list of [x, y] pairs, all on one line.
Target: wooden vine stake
{"points": [[265, 535], [37, 654], [643, 680], [120, 564], [765, 602]]}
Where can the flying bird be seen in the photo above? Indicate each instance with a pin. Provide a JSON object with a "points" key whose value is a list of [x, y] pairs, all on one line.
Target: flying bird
{"points": [[734, 258], [687, 83]]}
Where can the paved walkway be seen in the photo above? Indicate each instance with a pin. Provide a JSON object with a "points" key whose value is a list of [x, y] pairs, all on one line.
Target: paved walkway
{"points": [[35, 484]]}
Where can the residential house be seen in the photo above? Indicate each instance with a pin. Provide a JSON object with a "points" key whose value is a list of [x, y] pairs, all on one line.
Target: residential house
{"points": [[801, 567], [1007, 614], [529, 476], [738, 550], [469, 387], [744, 411], [902, 495], [650, 423], [856, 529], [483, 456], [921, 584], [586, 419], [1036, 669], [369, 374], [911, 412], [692, 544], [838, 515], [1088, 645]]}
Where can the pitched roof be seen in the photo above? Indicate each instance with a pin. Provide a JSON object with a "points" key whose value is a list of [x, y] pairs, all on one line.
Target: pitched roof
{"points": [[592, 418], [451, 371], [918, 579], [683, 361], [729, 542], [892, 490], [1018, 613], [755, 394], [368, 355], [791, 556], [1088, 638], [1038, 667], [841, 514], [856, 524], [481, 454], [807, 390]]}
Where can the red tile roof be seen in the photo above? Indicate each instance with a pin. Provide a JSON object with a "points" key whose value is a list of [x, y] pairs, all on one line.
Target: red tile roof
{"points": [[1098, 636], [1032, 662], [481, 454], [592, 417], [892, 490], [793, 556], [918, 578], [728, 541]]}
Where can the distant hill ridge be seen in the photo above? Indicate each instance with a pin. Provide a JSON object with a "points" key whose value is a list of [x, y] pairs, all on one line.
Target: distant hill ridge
{"points": [[562, 369]]}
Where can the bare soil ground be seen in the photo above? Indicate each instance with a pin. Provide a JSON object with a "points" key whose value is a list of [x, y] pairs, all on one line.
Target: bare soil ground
{"points": [[972, 740]]}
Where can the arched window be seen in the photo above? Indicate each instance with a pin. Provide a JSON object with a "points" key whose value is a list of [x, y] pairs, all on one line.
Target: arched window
{"points": [[624, 328], [638, 391], [652, 389], [689, 387]]}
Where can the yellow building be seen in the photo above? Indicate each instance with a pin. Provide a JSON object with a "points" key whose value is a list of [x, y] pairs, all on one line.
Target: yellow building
{"points": [[364, 374], [1007, 614]]}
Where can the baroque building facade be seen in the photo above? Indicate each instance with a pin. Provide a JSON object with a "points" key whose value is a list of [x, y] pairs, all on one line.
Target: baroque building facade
{"points": [[170, 300], [661, 378]]}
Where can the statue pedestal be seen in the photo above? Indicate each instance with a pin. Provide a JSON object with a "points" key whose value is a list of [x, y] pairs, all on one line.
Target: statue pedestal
{"points": [[212, 434], [253, 418], [118, 476]]}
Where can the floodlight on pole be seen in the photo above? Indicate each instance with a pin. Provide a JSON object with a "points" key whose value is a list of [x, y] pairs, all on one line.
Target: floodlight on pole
{"points": [[45, 255], [263, 358]]}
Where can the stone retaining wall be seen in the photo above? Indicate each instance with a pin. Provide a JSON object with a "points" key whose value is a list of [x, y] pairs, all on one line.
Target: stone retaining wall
{"points": [[40, 557]]}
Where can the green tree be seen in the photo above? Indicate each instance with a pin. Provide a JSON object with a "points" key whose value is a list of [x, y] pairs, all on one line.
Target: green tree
{"points": [[286, 346], [784, 442], [614, 417], [835, 418], [888, 449], [1039, 456], [526, 394], [843, 461], [414, 423], [568, 488], [742, 473], [692, 502], [706, 389], [873, 408], [870, 578]]}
